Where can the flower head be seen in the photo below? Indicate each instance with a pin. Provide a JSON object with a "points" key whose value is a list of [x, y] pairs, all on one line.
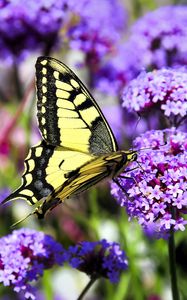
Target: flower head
{"points": [[156, 40], [24, 255], [164, 89], [28, 25], [160, 40], [98, 259], [97, 28], [115, 73], [157, 192]]}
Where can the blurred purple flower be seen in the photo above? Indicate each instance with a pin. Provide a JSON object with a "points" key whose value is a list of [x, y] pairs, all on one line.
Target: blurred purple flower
{"points": [[98, 259], [4, 192], [156, 40], [114, 115], [24, 255], [97, 28], [157, 192], [163, 89], [29, 25], [160, 38], [115, 73]]}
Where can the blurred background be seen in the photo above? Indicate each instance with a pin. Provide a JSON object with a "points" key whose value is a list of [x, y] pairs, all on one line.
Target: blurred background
{"points": [[107, 43]]}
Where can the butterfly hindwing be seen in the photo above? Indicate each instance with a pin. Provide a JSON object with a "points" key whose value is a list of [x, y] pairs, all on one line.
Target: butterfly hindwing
{"points": [[85, 176], [68, 115], [34, 185], [46, 168]]}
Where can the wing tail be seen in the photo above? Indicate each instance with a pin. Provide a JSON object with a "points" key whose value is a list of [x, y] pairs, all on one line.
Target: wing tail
{"points": [[17, 195], [14, 196]]}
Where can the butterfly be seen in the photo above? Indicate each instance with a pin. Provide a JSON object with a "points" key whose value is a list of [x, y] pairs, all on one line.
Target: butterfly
{"points": [[78, 148]]}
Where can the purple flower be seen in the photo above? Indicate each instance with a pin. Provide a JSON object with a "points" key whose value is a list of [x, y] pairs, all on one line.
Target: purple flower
{"points": [[96, 28], [24, 255], [98, 259], [29, 25], [156, 40], [155, 197], [160, 40], [115, 73], [4, 192], [163, 89]]}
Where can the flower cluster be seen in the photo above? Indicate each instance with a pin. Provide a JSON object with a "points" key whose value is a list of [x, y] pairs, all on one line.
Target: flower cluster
{"points": [[97, 28], [156, 193], [98, 259], [159, 39], [156, 40], [163, 89], [24, 255], [28, 25], [36, 25], [112, 76]]}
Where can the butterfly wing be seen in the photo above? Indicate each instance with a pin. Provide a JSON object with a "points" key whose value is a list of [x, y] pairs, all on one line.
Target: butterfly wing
{"points": [[75, 132], [84, 177], [68, 115], [47, 168]]}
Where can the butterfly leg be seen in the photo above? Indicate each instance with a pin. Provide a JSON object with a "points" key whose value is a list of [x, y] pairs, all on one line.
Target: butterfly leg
{"points": [[129, 177], [126, 177], [115, 180]]}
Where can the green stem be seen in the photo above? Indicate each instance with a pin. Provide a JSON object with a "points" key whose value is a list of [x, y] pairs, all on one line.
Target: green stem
{"points": [[172, 266], [87, 287], [137, 8]]}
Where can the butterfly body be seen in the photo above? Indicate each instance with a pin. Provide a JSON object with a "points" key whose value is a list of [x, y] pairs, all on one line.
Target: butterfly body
{"points": [[78, 148]]}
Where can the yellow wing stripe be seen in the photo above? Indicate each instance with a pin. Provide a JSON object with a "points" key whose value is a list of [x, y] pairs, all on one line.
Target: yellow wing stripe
{"points": [[62, 85], [62, 103]]}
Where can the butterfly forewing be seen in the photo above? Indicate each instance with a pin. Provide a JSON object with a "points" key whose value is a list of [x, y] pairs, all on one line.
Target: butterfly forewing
{"points": [[68, 115]]}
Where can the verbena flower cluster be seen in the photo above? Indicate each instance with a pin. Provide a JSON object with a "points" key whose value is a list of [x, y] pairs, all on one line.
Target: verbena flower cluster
{"points": [[24, 255], [156, 40], [115, 73], [97, 27], [160, 37], [156, 192], [29, 25], [98, 259], [163, 89]]}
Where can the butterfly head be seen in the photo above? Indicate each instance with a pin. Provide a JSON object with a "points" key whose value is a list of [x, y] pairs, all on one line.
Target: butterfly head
{"points": [[131, 156]]}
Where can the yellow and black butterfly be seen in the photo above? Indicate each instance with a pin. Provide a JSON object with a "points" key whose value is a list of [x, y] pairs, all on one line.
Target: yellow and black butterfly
{"points": [[78, 148]]}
